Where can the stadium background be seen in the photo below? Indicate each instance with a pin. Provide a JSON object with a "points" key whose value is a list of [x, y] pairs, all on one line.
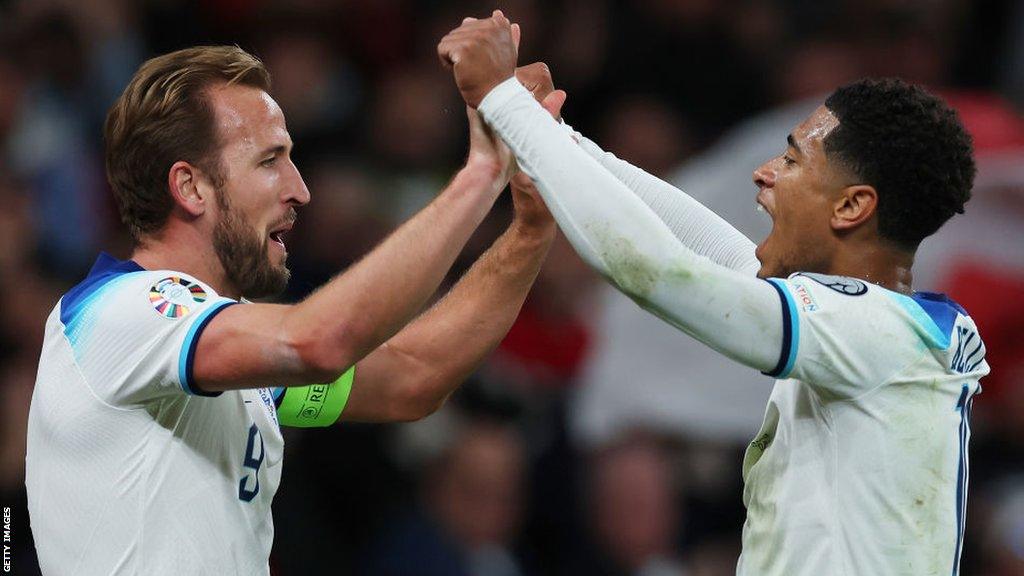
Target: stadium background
{"points": [[595, 441]]}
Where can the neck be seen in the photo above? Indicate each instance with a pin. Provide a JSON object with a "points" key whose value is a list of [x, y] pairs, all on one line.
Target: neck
{"points": [[185, 250], [886, 266]]}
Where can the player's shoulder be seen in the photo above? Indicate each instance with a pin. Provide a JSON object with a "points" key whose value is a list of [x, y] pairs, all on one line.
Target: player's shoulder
{"points": [[124, 291], [933, 316], [811, 293]]}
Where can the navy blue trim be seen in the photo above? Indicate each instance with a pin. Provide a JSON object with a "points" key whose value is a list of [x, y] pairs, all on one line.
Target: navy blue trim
{"points": [[192, 342], [963, 406], [940, 309], [105, 269], [787, 356], [278, 394]]}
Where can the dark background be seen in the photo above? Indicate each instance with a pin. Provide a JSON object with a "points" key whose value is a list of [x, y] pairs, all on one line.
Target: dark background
{"points": [[504, 480]]}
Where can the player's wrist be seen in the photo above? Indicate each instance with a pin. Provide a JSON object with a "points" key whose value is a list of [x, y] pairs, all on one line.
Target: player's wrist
{"points": [[482, 173], [499, 94], [540, 228], [484, 166]]}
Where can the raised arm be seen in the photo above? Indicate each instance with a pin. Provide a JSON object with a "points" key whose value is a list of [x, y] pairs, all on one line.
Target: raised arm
{"points": [[612, 229], [412, 374], [320, 338], [696, 226]]}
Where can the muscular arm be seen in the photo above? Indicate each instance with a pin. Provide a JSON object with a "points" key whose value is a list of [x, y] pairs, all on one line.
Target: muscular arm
{"points": [[316, 340], [412, 374], [621, 237]]}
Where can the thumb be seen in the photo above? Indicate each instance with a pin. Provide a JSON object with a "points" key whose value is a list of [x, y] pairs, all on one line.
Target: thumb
{"points": [[553, 103], [516, 34]]}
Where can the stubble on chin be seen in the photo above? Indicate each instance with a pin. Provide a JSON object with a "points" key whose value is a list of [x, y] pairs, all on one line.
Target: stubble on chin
{"points": [[245, 258]]}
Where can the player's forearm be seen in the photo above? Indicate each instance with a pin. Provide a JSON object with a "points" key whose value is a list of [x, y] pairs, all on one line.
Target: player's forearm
{"points": [[695, 225], [372, 300], [581, 194], [465, 326], [416, 370], [619, 235]]}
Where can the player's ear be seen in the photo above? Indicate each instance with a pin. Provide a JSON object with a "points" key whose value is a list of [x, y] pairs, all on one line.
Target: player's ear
{"points": [[854, 206], [185, 183]]}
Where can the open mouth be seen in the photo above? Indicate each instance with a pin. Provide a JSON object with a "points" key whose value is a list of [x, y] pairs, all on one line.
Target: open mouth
{"points": [[278, 233], [278, 237], [760, 202]]}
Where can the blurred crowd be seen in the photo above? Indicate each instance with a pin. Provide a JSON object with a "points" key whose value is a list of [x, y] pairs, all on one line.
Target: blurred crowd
{"points": [[595, 440]]}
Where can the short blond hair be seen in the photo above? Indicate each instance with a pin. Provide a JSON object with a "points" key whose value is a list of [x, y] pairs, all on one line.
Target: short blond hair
{"points": [[164, 116]]}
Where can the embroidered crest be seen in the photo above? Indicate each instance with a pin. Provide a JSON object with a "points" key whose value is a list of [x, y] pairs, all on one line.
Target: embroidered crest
{"points": [[174, 297]]}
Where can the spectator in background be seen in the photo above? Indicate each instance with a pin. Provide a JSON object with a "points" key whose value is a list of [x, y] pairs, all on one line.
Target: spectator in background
{"points": [[705, 72], [50, 146], [547, 346], [633, 510], [647, 130], [313, 83], [469, 513], [25, 297], [412, 129], [567, 334], [74, 61], [347, 222]]}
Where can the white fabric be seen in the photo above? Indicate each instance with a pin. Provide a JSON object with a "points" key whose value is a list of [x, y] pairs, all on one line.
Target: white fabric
{"points": [[860, 466], [697, 227], [619, 236], [679, 388], [126, 472]]}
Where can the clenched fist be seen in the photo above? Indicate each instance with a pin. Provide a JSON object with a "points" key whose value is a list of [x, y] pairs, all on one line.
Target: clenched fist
{"points": [[482, 53]]}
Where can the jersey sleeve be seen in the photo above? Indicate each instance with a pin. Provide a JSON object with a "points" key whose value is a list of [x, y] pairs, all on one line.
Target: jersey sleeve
{"points": [[841, 335], [622, 238], [694, 224], [134, 337]]}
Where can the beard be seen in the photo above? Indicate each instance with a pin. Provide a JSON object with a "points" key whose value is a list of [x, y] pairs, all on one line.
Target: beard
{"points": [[245, 257]]}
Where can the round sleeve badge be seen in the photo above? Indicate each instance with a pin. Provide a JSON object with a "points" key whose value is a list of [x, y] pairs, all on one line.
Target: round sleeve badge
{"points": [[174, 297], [841, 284]]}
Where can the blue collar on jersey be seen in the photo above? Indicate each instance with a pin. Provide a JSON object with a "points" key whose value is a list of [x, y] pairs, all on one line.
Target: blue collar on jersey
{"points": [[104, 270]]}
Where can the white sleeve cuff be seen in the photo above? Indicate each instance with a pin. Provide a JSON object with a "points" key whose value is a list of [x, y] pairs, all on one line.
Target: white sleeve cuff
{"points": [[501, 95]]}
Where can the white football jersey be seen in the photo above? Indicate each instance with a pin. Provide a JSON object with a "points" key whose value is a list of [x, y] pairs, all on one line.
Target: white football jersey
{"points": [[130, 469], [861, 465]]}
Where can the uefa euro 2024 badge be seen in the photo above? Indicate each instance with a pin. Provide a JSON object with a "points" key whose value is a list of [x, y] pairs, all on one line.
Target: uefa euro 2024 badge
{"points": [[174, 297]]}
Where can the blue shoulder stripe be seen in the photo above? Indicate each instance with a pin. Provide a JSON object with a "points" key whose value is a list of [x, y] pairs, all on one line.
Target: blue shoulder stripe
{"points": [[940, 308], [78, 300], [790, 331], [935, 313], [105, 269]]}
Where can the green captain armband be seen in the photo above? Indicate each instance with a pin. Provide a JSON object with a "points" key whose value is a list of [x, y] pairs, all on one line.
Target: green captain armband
{"points": [[316, 405]]}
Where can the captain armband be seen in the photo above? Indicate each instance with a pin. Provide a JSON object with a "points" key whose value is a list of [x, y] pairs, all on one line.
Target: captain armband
{"points": [[316, 405]]}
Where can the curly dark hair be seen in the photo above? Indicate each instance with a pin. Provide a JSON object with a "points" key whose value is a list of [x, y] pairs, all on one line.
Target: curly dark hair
{"points": [[909, 145]]}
